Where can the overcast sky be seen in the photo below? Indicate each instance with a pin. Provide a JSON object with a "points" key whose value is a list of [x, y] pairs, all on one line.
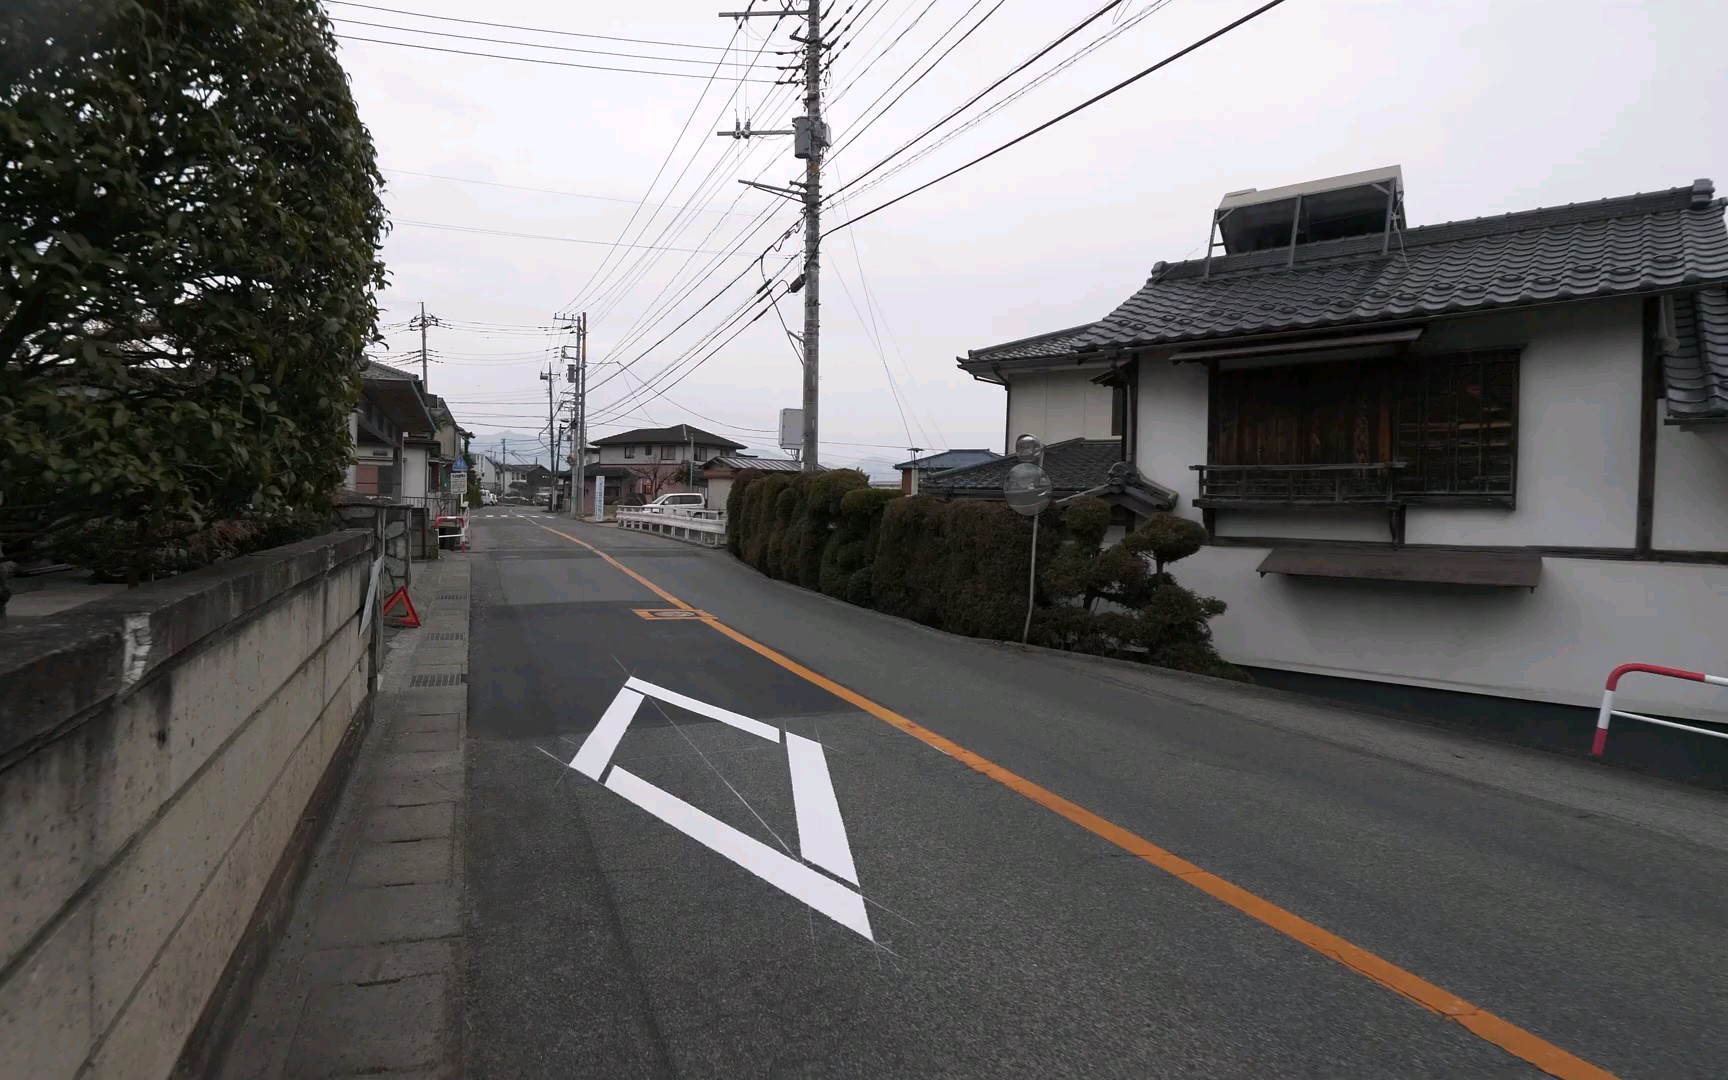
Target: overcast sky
{"points": [[1489, 106]]}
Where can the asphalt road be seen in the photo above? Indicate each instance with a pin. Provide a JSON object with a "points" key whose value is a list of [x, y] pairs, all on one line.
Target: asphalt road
{"points": [[657, 886]]}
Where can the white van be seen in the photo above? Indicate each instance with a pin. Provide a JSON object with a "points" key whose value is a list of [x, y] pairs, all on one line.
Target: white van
{"points": [[683, 500]]}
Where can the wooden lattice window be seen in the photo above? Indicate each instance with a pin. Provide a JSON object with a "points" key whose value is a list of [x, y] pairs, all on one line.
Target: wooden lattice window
{"points": [[1444, 425]]}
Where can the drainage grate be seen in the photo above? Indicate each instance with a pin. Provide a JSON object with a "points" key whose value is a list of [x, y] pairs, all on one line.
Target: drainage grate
{"points": [[452, 596], [453, 635], [438, 680]]}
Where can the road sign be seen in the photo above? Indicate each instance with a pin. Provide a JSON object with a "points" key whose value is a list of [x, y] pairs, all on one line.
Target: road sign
{"points": [[821, 832], [599, 498], [460, 466]]}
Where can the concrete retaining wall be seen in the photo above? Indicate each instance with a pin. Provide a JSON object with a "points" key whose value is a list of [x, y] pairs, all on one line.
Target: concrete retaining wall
{"points": [[158, 753]]}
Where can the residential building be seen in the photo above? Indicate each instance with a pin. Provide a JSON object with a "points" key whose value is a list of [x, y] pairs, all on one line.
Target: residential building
{"points": [[1051, 388], [659, 460], [391, 409], [719, 471], [914, 472], [1486, 455]]}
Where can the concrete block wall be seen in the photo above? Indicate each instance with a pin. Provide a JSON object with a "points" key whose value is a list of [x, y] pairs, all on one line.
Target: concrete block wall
{"points": [[158, 752]]}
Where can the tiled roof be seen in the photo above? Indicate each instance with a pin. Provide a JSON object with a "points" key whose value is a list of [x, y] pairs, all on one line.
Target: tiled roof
{"points": [[1055, 343], [375, 370], [1634, 244], [950, 459], [659, 436], [741, 462], [1696, 365], [1073, 465]]}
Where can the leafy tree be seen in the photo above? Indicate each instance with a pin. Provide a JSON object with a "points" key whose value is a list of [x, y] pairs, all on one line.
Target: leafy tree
{"points": [[189, 232]]}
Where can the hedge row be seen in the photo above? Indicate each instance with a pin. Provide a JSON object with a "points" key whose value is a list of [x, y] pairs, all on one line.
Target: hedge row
{"points": [[963, 566]]}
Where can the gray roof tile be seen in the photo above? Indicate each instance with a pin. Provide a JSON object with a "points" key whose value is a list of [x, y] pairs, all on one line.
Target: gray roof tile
{"points": [[677, 433], [1661, 241], [742, 462], [1055, 343], [950, 459], [1696, 367], [1073, 465]]}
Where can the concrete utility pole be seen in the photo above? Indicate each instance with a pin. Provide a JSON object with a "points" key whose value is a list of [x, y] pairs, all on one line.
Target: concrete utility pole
{"points": [[577, 375], [810, 139], [421, 322], [550, 378], [916, 450]]}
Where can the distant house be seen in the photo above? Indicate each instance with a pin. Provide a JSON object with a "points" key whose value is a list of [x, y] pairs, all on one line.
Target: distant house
{"points": [[659, 460], [719, 472], [1487, 455], [391, 411], [914, 472]]}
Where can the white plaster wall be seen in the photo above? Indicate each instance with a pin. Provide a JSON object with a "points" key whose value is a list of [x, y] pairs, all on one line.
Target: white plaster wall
{"points": [[1059, 405], [1171, 428], [1691, 488], [1556, 644]]}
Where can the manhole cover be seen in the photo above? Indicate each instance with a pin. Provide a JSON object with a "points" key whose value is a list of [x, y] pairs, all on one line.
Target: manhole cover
{"points": [[672, 613]]}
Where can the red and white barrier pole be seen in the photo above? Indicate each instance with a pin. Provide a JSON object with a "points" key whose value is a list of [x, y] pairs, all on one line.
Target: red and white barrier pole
{"points": [[1608, 712]]}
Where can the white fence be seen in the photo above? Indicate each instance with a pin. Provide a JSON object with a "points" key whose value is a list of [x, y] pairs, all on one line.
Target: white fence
{"points": [[705, 527]]}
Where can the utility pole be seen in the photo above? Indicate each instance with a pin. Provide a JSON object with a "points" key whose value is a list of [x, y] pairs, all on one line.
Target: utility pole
{"points": [[577, 375], [550, 378], [916, 450], [810, 139], [421, 322]]}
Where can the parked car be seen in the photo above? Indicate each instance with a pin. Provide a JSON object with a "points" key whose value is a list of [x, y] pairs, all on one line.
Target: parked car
{"points": [[488, 498], [682, 500]]}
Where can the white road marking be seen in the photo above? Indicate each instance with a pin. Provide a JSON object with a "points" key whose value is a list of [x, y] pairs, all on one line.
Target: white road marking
{"points": [[821, 833], [597, 749], [702, 708], [789, 876]]}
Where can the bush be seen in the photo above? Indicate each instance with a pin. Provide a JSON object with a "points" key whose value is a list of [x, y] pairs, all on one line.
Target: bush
{"points": [[114, 550], [735, 511], [962, 566]]}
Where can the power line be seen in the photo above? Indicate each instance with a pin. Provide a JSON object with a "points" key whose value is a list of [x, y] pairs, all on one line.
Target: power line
{"points": [[532, 60], [1089, 102], [1029, 61], [522, 44], [934, 64], [1070, 61], [541, 236], [700, 186], [878, 53], [541, 190], [671, 150], [530, 29]]}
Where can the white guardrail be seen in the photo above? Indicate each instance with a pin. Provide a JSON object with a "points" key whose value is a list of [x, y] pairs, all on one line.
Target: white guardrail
{"points": [[705, 527], [1608, 711]]}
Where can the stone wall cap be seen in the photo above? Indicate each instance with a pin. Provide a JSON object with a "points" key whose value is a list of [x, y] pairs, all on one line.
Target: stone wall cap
{"points": [[55, 670]]}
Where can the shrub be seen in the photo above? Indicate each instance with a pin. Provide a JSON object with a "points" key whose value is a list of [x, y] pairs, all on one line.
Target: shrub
{"points": [[1167, 539], [736, 516], [904, 581], [762, 498], [852, 543]]}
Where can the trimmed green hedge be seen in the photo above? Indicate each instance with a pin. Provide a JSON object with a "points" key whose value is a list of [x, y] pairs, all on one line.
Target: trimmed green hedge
{"points": [[963, 566]]}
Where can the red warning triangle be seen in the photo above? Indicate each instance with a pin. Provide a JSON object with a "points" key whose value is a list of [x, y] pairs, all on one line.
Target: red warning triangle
{"points": [[411, 618]]}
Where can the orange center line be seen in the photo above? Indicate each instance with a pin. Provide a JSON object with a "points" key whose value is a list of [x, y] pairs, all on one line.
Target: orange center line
{"points": [[1485, 1025]]}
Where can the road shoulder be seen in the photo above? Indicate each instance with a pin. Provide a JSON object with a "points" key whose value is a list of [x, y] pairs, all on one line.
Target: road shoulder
{"points": [[365, 979]]}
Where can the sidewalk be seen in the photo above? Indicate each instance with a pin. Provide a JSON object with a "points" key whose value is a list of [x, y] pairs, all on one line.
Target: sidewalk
{"points": [[364, 980]]}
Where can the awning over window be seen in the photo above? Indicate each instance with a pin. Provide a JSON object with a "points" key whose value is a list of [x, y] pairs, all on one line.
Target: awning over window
{"points": [[1494, 568], [1300, 345]]}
